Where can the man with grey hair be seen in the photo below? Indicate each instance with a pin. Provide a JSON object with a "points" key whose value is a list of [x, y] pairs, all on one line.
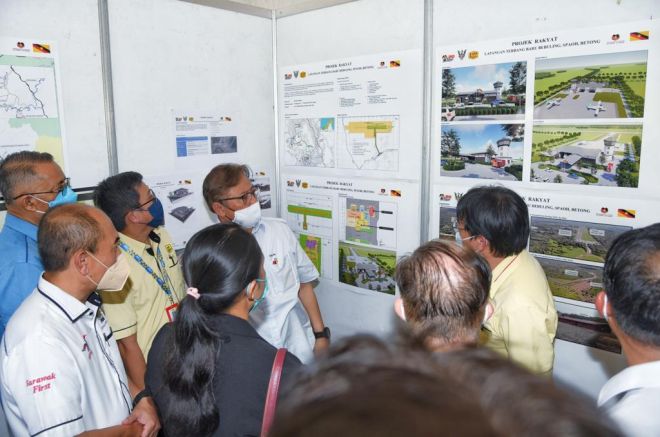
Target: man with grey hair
{"points": [[31, 183], [60, 369], [444, 294]]}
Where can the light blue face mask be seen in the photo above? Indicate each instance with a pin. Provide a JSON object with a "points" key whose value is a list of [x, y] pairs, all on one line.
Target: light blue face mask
{"points": [[460, 240], [263, 295], [67, 195]]}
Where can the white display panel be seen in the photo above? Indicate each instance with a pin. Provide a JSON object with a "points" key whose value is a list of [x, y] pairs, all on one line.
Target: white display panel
{"points": [[353, 116]]}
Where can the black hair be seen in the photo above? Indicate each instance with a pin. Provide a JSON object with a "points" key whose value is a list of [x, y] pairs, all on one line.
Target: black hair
{"points": [[220, 262], [117, 196], [64, 230], [631, 278], [499, 215], [366, 386], [17, 170], [444, 288]]}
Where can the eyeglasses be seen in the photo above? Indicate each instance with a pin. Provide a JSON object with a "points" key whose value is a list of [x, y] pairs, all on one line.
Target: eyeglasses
{"points": [[152, 197], [61, 186], [245, 198]]}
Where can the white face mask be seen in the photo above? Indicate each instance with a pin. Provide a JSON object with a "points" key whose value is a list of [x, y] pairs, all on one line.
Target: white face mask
{"points": [[114, 277], [248, 217], [460, 240]]}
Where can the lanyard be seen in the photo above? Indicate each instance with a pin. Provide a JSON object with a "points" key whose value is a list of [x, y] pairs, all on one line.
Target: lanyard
{"points": [[163, 285]]}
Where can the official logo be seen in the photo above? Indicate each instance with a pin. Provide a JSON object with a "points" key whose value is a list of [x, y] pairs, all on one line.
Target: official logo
{"points": [[474, 54], [20, 44], [461, 54], [303, 74], [305, 185], [604, 212], [639, 36], [41, 48], [290, 183], [298, 181], [626, 213], [448, 58], [287, 76], [445, 197], [295, 74], [382, 64], [615, 37]]}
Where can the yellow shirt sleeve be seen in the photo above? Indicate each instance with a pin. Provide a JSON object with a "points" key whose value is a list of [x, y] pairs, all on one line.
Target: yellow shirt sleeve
{"points": [[119, 311]]}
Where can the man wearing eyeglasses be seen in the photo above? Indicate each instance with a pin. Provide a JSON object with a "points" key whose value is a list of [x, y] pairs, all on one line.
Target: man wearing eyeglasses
{"points": [[155, 287], [30, 183], [289, 316]]}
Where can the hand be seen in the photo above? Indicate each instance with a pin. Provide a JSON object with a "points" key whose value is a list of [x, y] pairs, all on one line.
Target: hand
{"points": [[145, 413], [321, 345]]}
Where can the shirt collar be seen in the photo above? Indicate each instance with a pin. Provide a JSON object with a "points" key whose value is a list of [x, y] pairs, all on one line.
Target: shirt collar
{"points": [[22, 226], [137, 246], [69, 305], [634, 377], [259, 226]]}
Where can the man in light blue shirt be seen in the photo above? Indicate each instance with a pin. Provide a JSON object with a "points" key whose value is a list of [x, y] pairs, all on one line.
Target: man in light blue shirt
{"points": [[30, 183]]}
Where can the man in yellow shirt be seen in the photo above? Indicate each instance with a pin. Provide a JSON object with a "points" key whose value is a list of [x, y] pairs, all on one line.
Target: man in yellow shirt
{"points": [[155, 286], [494, 221]]}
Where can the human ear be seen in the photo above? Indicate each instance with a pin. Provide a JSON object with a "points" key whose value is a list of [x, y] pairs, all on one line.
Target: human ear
{"points": [[399, 310]]}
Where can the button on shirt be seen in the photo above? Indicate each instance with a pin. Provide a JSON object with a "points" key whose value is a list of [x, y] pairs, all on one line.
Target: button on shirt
{"points": [[20, 265], [632, 399], [142, 307], [60, 368], [524, 323], [281, 318]]}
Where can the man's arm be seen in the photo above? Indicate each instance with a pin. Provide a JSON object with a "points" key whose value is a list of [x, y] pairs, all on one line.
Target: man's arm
{"points": [[134, 363], [311, 305]]}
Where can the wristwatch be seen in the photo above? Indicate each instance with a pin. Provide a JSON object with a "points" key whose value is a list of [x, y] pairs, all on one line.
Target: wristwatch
{"points": [[323, 334]]}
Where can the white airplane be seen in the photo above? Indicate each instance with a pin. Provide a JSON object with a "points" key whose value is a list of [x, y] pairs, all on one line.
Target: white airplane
{"points": [[597, 107], [551, 103]]}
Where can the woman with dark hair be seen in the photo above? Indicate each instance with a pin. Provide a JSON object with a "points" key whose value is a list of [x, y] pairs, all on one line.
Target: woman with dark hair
{"points": [[208, 371]]}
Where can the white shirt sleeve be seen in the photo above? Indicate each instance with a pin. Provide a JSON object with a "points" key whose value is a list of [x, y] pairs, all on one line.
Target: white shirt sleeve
{"points": [[42, 388]]}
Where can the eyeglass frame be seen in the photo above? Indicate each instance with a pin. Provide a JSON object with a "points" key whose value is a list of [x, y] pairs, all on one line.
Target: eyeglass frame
{"points": [[254, 192], [139, 207], [64, 183]]}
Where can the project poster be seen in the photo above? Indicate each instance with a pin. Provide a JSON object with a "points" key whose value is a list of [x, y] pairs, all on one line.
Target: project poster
{"points": [[569, 236], [353, 230], [354, 116], [562, 109], [30, 98], [204, 135], [183, 202]]}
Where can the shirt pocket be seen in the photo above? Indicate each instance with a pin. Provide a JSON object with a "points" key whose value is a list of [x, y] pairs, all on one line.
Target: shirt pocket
{"points": [[281, 273]]}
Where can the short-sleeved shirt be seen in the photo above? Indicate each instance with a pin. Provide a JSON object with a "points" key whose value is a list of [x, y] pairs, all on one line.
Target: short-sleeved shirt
{"points": [[20, 265], [242, 372], [632, 399], [143, 307], [280, 318], [524, 323], [60, 368]]}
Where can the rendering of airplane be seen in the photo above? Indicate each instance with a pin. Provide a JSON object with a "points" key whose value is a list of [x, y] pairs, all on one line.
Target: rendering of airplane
{"points": [[551, 103], [597, 107]]}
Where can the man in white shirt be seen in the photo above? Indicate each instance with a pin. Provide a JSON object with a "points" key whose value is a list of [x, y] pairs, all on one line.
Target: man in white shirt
{"points": [[631, 305], [289, 316], [60, 370]]}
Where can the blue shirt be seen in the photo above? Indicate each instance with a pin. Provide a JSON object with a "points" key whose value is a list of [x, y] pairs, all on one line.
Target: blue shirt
{"points": [[20, 265]]}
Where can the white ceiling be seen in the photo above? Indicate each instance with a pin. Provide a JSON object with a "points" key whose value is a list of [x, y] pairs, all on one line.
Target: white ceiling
{"points": [[265, 8]]}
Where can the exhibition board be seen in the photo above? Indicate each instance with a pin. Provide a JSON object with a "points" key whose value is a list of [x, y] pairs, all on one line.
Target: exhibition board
{"points": [[193, 88], [54, 85]]}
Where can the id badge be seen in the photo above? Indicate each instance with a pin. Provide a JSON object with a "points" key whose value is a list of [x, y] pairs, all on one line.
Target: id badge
{"points": [[171, 311]]}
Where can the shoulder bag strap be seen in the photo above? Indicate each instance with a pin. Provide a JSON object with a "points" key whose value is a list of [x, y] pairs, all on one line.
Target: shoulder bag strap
{"points": [[271, 394]]}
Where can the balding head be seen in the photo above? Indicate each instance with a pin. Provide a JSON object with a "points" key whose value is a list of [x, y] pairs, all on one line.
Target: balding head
{"points": [[67, 229], [444, 289]]}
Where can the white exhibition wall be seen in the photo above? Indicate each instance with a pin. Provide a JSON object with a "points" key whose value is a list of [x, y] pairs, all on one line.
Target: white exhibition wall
{"points": [[169, 55], [73, 26]]}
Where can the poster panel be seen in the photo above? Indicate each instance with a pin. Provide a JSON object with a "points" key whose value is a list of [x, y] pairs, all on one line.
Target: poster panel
{"points": [[357, 116]]}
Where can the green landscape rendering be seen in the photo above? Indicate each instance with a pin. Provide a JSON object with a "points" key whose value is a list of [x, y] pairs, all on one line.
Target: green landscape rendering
{"points": [[607, 155], [367, 267], [611, 85]]}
